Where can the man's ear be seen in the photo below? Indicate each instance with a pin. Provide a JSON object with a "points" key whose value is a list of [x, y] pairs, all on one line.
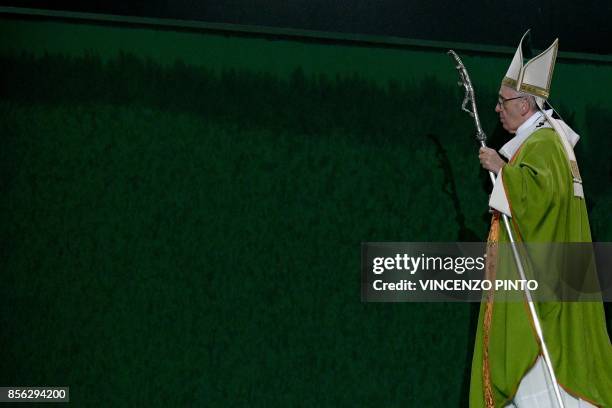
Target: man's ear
{"points": [[524, 107]]}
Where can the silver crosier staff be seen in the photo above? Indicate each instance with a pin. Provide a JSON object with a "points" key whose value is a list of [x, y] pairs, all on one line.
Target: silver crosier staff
{"points": [[482, 137]]}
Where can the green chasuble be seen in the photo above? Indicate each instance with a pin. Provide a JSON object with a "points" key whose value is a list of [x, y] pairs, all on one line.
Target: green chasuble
{"points": [[539, 188]]}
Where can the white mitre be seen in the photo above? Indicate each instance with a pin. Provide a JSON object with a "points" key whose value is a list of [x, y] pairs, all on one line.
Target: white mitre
{"points": [[534, 78]]}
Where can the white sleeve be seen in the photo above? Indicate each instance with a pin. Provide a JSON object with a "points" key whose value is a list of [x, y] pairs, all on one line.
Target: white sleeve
{"points": [[498, 199]]}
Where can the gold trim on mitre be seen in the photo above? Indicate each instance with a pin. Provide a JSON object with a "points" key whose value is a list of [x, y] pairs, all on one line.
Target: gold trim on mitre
{"points": [[509, 82], [530, 89], [535, 76]]}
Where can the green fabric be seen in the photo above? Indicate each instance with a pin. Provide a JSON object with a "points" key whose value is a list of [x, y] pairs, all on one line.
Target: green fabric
{"points": [[539, 188]]}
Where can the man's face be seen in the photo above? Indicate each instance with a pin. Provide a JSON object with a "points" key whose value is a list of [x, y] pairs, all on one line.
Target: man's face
{"points": [[511, 108]]}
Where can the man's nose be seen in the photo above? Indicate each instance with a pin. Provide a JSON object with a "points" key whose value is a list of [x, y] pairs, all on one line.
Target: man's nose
{"points": [[497, 108]]}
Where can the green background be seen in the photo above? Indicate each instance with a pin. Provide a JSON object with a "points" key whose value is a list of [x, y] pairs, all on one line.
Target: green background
{"points": [[182, 212]]}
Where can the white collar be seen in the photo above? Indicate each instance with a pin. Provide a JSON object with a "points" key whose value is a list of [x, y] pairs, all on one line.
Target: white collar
{"points": [[528, 127], [522, 133]]}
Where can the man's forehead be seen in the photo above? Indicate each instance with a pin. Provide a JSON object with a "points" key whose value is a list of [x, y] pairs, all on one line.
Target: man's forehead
{"points": [[507, 92]]}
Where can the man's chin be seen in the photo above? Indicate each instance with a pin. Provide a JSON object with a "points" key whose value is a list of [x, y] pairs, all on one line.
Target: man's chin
{"points": [[507, 129]]}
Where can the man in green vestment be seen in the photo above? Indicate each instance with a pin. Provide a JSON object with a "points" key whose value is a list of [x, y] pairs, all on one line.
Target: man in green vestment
{"points": [[540, 188]]}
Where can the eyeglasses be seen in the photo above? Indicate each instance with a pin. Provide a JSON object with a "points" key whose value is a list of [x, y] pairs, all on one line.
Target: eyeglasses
{"points": [[501, 100]]}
